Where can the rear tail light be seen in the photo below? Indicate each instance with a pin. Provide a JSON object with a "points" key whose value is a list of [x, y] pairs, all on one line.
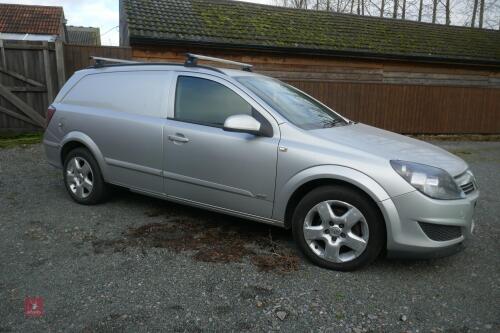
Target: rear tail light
{"points": [[50, 113]]}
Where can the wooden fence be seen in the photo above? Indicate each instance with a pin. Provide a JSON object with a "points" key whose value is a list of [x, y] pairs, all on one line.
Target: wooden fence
{"points": [[405, 100], [78, 56], [31, 74], [405, 97], [412, 109]]}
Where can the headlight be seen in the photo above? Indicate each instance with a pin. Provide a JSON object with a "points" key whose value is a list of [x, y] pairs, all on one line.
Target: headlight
{"points": [[433, 182]]}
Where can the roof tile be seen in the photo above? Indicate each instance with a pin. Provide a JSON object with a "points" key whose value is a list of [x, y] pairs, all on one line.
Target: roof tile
{"points": [[44, 20]]}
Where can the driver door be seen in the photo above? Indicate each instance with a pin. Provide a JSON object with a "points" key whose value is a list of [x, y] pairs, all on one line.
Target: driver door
{"points": [[205, 164]]}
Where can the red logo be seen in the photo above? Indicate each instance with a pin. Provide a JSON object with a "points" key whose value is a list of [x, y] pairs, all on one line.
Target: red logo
{"points": [[33, 306]]}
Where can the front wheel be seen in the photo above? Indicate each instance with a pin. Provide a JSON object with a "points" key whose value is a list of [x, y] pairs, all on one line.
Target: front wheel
{"points": [[338, 227], [83, 178]]}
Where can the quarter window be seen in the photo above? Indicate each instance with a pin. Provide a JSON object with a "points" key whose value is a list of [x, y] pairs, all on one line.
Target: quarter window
{"points": [[207, 102]]}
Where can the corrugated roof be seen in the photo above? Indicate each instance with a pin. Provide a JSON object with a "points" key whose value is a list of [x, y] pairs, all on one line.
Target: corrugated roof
{"points": [[44, 20], [234, 23], [83, 35]]}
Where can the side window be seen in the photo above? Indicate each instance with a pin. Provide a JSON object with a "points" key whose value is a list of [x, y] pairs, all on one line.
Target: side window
{"points": [[139, 93], [207, 102]]}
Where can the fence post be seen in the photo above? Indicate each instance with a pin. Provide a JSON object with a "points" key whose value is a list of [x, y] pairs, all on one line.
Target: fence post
{"points": [[61, 75], [2, 51], [48, 74]]}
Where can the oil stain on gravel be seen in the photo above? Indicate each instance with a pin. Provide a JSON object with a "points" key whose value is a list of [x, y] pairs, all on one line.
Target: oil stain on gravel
{"points": [[209, 241]]}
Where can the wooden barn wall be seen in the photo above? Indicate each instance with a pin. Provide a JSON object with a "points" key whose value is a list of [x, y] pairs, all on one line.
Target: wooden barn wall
{"points": [[408, 108], [77, 57], [402, 97], [398, 96]]}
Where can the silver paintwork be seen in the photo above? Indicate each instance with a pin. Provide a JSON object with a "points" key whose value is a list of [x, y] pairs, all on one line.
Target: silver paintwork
{"points": [[241, 123], [246, 175], [79, 177], [334, 232]]}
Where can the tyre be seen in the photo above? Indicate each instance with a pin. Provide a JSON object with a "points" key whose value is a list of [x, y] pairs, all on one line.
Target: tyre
{"points": [[83, 178], [339, 228]]}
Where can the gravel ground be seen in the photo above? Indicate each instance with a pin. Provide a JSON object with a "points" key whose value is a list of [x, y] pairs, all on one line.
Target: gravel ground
{"points": [[139, 264]]}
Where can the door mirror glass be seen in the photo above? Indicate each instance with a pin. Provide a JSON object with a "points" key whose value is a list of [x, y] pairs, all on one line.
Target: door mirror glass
{"points": [[242, 123]]}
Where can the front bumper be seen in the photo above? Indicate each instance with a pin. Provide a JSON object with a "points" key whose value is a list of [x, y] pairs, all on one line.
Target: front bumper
{"points": [[405, 235]]}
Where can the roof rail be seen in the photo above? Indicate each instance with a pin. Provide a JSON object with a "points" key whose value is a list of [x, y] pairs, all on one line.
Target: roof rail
{"points": [[100, 61], [192, 60], [108, 62]]}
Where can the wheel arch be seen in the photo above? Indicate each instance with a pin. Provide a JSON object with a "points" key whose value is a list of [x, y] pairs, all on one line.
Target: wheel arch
{"points": [[309, 179], [74, 140]]}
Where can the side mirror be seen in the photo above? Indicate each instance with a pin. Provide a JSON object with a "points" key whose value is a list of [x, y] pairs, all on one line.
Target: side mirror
{"points": [[242, 123]]}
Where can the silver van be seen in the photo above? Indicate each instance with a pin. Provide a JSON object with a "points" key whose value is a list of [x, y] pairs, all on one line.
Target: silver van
{"points": [[248, 145]]}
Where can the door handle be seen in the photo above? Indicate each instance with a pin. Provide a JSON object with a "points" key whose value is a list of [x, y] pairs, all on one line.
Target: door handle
{"points": [[178, 138]]}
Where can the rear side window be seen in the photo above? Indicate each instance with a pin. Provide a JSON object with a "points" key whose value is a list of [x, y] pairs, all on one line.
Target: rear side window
{"points": [[207, 102], [138, 93]]}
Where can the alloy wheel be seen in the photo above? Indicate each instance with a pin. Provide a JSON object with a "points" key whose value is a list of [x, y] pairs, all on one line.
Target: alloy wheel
{"points": [[79, 177], [336, 231]]}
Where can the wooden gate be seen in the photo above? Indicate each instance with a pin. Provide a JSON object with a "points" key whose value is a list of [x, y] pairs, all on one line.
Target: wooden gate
{"points": [[31, 74]]}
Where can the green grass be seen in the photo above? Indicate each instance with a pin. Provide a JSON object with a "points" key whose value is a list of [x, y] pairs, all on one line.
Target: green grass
{"points": [[20, 140]]}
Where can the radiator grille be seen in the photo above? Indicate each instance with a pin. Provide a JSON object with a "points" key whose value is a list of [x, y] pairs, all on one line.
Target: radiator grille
{"points": [[440, 232], [466, 182], [468, 188]]}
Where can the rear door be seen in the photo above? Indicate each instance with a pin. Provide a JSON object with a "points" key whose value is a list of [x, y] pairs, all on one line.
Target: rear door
{"points": [[205, 164]]}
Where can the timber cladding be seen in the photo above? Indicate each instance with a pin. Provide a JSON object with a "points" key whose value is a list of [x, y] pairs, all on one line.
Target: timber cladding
{"points": [[404, 97], [412, 109], [77, 57]]}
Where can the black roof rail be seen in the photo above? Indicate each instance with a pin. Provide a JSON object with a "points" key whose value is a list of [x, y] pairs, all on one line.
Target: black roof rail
{"points": [[101, 61], [192, 60], [111, 62]]}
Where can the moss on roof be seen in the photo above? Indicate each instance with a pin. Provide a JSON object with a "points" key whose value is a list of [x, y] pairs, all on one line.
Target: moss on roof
{"points": [[233, 23]]}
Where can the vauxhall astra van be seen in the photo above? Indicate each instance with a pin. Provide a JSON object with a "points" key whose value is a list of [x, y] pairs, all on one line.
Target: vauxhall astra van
{"points": [[251, 146]]}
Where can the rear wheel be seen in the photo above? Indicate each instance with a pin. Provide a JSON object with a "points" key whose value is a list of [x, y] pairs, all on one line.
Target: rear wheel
{"points": [[83, 178], [338, 228]]}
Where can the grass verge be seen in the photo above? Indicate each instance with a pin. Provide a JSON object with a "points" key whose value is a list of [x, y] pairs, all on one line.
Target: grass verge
{"points": [[20, 140]]}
